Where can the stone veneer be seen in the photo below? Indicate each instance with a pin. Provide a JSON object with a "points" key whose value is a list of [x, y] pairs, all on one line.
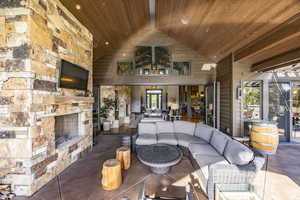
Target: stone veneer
{"points": [[34, 36]]}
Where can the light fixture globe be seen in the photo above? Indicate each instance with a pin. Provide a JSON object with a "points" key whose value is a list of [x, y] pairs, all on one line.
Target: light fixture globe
{"points": [[78, 7], [184, 20]]}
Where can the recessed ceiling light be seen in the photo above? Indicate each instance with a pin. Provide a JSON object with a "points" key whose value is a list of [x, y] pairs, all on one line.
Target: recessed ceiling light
{"points": [[123, 54], [106, 43], [184, 20], [78, 7]]}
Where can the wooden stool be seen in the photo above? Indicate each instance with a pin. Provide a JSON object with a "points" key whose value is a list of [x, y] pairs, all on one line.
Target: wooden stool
{"points": [[111, 174], [123, 154]]}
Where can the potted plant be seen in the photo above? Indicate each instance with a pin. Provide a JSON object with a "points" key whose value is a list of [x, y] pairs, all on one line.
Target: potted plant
{"points": [[104, 112]]}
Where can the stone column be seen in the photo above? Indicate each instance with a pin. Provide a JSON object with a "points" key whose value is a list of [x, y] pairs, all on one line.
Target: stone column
{"points": [[34, 37], [15, 95]]}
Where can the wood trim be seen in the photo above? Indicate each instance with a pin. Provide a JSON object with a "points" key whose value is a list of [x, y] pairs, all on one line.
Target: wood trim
{"points": [[282, 60], [281, 66], [286, 31], [67, 99]]}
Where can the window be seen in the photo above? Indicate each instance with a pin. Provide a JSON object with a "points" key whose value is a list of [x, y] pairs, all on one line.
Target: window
{"points": [[152, 61], [143, 57], [279, 107], [252, 100], [182, 68], [125, 68], [162, 57]]}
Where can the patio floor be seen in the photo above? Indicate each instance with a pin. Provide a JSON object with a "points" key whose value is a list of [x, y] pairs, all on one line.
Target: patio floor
{"points": [[81, 180]]}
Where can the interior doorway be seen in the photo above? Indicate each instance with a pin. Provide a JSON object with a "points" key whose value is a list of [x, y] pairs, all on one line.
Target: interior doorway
{"points": [[154, 99]]}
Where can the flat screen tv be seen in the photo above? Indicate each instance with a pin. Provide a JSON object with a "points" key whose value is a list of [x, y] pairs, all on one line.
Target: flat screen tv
{"points": [[73, 76]]}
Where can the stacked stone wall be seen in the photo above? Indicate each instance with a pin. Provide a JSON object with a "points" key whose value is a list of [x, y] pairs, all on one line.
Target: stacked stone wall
{"points": [[35, 35]]}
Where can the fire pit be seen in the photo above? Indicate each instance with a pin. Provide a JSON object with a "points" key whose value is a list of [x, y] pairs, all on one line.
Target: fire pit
{"points": [[159, 157]]}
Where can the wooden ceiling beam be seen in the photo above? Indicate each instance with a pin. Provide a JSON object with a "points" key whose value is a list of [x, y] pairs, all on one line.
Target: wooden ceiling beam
{"points": [[279, 61], [286, 31]]}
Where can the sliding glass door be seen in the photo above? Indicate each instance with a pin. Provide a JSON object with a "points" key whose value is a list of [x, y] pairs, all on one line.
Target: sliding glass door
{"points": [[280, 108], [296, 111]]}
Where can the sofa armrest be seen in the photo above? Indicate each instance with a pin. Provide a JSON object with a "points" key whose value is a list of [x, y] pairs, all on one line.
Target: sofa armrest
{"points": [[221, 173], [224, 173]]}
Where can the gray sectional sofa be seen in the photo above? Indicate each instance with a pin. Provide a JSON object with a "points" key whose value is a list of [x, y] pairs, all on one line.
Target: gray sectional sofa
{"points": [[217, 157]]}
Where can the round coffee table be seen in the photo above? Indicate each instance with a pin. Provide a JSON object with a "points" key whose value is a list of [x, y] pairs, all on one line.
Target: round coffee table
{"points": [[159, 157]]}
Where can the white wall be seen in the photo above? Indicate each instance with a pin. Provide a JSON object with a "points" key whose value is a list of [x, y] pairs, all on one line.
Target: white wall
{"points": [[136, 99]]}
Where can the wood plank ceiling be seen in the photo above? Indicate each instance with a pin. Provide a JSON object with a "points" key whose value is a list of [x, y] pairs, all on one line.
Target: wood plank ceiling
{"points": [[214, 28], [111, 21], [217, 27]]}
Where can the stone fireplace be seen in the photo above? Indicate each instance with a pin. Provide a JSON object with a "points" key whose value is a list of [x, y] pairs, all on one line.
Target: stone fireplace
{"points": [[66, 128], [38, 34]]}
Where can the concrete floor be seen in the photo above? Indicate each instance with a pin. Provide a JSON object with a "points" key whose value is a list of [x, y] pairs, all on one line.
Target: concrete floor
{"points": [[81, 181], [283, 174], [295, 136]]}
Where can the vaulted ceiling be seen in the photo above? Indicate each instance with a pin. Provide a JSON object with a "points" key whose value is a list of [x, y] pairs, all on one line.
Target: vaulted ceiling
{"points": [[214, 28], [112, 21]]}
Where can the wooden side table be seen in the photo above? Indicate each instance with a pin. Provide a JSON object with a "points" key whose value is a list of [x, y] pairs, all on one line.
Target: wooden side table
{"points": [[111, 174], [123, 154]]}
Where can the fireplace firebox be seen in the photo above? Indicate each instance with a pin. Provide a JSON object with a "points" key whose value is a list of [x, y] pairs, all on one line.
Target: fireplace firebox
{"points": [[66, 128]]}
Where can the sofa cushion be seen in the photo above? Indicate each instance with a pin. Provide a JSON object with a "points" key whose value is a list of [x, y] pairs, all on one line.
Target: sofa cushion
{"points": [[203, 131], [146, 139], [185, 139], [184, 127], [164, 127], [204, 163], [219, 141], [167, 138], [147, 128], [202, 149], [238, 153]]}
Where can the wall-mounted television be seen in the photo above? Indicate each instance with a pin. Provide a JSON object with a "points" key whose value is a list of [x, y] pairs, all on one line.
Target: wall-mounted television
{"points": [[72, 76]]}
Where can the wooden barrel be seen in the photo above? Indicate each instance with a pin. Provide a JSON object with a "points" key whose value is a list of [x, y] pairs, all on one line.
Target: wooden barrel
{"points": [[264, 137]]}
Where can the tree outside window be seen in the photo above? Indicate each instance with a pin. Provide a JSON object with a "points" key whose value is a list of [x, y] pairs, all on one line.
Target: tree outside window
{"points": [[252, 100]]}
